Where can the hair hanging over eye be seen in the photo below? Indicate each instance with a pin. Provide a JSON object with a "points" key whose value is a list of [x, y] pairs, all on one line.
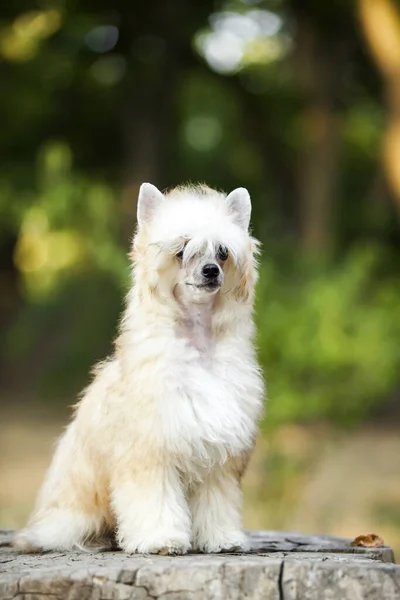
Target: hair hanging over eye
{"points": [[222, 253], [179, 254]]}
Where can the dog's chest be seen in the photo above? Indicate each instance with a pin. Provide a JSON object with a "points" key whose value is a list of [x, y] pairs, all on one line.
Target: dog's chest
{"points": [[195, 328], [210, 412], [210, 405]]}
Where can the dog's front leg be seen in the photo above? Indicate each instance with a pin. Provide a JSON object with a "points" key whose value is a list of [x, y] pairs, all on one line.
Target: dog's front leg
{"points": [[216, 512], [151, 510]]}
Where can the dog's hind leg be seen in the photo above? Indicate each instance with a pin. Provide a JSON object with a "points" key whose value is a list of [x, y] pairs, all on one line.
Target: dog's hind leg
{"points": [[56, 529], [71, 509]]}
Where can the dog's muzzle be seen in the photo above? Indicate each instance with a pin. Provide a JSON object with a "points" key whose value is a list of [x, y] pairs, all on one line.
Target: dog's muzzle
{"points": [[211, 275]]}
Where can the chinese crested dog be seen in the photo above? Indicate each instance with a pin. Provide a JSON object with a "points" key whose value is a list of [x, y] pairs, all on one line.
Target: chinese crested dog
{"points": [[154, 455]]}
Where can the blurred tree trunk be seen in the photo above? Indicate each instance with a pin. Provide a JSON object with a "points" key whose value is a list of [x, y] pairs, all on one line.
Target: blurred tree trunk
{"points": [[318, 70], [10, 282], [160, 37], [380, 21], [10, 296], [263, 133], [146, 131]]}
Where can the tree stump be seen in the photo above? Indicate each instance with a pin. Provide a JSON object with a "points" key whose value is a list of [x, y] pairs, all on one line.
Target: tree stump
{"points": [[279, 566]]}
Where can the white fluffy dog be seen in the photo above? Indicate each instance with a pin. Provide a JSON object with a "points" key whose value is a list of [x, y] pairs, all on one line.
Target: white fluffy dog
{"points": [[162, 436]]}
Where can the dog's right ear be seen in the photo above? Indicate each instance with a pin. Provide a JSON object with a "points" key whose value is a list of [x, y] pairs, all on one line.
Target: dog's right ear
{"points": [[149, 198]]}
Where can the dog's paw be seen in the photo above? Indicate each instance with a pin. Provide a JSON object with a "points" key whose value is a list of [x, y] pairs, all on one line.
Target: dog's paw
{"points": [[172, 549], [231, 541], [162, 546]]}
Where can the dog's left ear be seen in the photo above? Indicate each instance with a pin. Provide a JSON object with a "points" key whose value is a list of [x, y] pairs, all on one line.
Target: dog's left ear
{"points": [[239, 205], [149, 198]]}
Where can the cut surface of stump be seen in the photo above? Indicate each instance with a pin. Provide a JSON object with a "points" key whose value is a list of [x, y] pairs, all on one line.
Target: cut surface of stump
{"points": [[278, 566]]}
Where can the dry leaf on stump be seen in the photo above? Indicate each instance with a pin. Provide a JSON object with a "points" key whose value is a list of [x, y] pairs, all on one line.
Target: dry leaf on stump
{"points": [[371, 540]]}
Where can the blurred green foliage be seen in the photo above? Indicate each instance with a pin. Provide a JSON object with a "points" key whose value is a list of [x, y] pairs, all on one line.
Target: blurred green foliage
{"points": [[329, 337], [276, 95]]}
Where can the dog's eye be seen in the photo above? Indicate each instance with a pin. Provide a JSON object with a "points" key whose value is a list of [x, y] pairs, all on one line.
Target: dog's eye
{"points": [[179, 255], [222, 253]]}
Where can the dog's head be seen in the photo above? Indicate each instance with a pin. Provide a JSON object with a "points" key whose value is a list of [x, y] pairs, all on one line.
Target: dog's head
{"points": [[193, 243]]}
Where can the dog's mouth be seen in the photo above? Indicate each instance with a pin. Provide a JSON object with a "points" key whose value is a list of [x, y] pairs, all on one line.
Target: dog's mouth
{"points": [[210, 285]]}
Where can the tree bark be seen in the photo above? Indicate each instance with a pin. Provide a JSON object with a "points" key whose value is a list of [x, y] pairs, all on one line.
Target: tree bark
{"points": [[279, 566]]}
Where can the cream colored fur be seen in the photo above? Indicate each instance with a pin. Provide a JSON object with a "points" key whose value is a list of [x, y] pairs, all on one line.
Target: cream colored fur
{"points": [[161, 437]]}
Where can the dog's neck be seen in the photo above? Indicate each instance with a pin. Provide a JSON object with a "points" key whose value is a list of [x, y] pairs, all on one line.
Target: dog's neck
{"points": [[195, 325]]}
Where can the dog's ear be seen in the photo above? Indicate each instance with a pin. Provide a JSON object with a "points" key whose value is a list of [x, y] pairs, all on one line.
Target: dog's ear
{"points": [[239, 205], [149, 198]]}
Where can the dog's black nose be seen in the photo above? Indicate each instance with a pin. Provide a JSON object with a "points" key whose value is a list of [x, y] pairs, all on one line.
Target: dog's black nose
{"points": [[210, 271]]}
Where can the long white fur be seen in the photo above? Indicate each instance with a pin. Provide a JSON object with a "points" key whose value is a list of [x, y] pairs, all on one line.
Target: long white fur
{"points": [[161, 437]]}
